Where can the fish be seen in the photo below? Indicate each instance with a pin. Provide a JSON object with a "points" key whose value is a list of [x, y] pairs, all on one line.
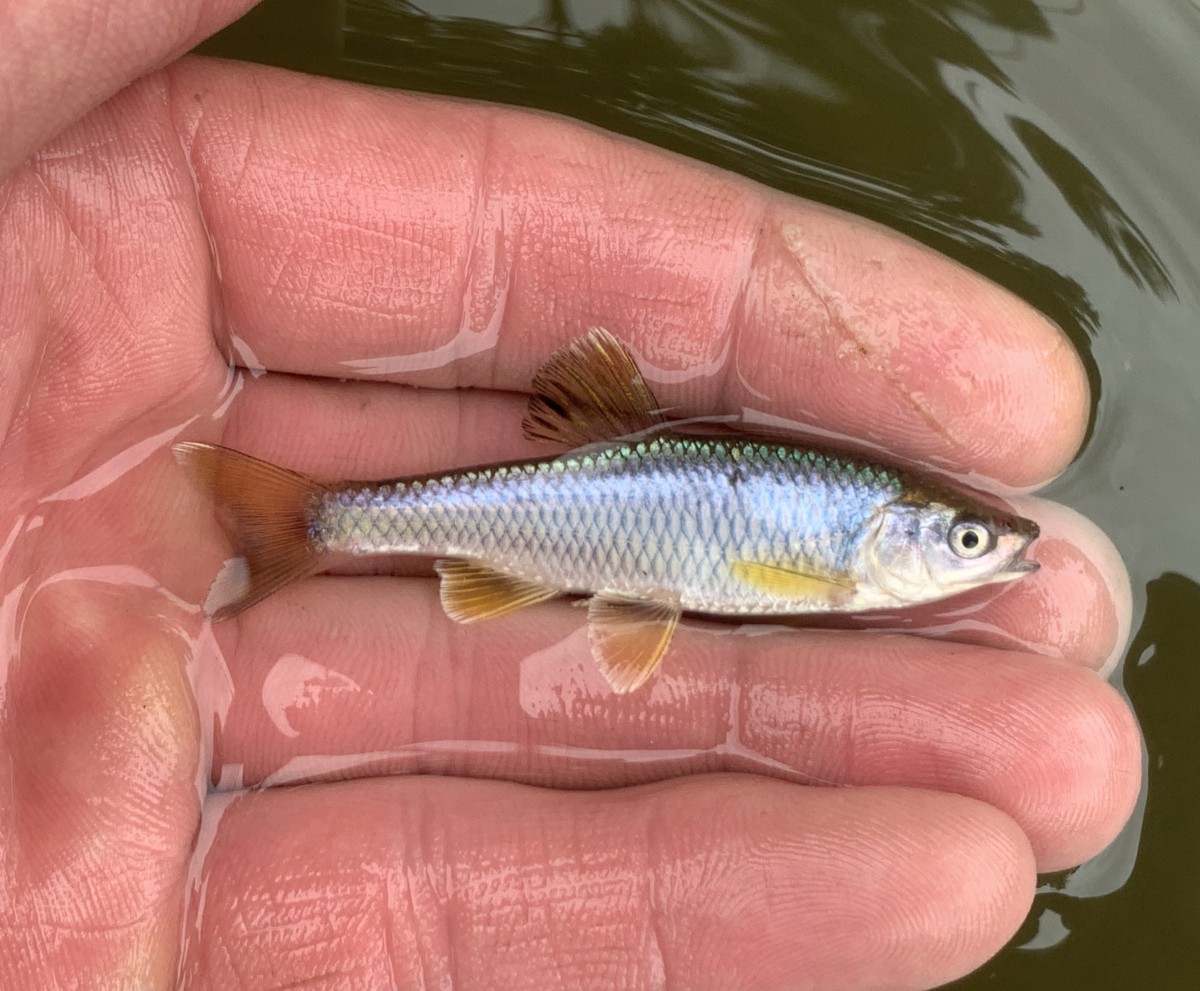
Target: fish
{"points": [[648, 517]]}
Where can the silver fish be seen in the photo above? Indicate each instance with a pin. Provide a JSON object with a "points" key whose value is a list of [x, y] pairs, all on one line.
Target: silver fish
{"points": [[647, 520]]}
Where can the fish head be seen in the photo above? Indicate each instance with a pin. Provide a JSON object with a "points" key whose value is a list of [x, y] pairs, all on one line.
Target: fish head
{"points": [[927, 548]]}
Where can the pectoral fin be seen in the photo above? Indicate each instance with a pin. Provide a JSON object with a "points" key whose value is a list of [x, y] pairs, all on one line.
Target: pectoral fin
{"points": [[793, 583], [590, 390], [629, 637], [471, 591]]}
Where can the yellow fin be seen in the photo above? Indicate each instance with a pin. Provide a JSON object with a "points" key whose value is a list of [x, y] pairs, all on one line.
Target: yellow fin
{"points": [[792, 583], [590, 390], [268, 511], [472, 591], [629, 637]]}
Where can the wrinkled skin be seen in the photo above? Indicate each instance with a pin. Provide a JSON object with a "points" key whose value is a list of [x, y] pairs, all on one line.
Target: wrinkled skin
{"points": [[352, 225]]}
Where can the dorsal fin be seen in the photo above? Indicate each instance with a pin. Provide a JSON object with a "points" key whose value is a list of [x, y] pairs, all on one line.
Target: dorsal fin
{"points": [[590, 390]]}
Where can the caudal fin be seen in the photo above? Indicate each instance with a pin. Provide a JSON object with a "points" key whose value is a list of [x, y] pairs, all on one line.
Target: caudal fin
{"points": [[269, 512]]}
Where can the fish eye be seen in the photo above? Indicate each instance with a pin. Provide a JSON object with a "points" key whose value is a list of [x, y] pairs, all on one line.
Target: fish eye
{"points": [[971, 539]]}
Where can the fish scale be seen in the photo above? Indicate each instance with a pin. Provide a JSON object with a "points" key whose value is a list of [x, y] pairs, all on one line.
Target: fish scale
{"points": [[671, 513]]}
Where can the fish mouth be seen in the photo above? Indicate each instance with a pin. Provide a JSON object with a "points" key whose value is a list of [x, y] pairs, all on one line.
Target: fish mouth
{"points": [[1019, 568], [1014, 570], [1017, 565]]}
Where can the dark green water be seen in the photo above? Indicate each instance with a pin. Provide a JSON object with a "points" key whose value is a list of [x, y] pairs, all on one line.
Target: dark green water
{"points": [[1054, 148]]}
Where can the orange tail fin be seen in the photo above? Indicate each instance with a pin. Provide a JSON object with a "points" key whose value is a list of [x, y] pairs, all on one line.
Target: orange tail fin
{"points": [[269, 513]]}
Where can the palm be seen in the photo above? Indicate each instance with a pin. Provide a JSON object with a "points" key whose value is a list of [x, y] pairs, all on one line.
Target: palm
{"points": [[344, 251]]}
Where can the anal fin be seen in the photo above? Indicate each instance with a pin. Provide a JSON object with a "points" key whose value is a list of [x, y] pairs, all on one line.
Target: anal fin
{"points": [[472, 591], [629, 636]]}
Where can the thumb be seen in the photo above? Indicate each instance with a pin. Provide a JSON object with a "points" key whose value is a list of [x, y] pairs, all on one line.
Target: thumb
{"points": [[60, 58]]}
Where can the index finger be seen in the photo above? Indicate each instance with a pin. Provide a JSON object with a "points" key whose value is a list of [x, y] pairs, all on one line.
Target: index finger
{"points": [[378, 235]]}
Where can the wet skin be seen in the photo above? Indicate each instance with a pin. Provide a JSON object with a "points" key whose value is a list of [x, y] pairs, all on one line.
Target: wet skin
{"points": [[328, 234]]}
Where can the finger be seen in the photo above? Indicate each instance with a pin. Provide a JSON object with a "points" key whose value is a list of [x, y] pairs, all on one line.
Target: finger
{"points": [[352, 676], [372, 234], [61, 58], [1076, 607], [723, 882], [100, 798]]}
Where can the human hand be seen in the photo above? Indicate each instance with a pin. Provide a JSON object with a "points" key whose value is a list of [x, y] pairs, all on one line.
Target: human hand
{"points": [[344, 238]]}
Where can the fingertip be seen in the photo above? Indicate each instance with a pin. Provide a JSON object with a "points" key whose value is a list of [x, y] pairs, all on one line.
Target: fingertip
{"points": [[1079, 604], [928, 886], [1052, 746], [977, 867], [1075, 793], [916, 352], [1049, 403]]}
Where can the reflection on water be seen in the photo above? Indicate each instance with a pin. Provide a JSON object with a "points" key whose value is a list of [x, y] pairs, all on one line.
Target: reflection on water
{"points": [[1098, 210], [1163, 680], [1156, 899]]}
